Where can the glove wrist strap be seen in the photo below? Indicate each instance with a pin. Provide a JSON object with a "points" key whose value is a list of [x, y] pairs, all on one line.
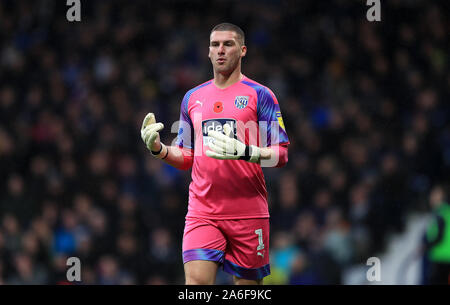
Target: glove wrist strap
{"points": [[167, 153], [155, 153], [161, 153], [251, 154]]}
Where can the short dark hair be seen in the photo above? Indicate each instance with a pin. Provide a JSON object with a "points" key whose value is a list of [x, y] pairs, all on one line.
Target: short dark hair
{"points": [[231, 27]]}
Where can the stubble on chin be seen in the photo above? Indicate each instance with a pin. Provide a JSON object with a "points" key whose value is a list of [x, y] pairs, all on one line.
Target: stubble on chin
{"points": [[225, 69]]}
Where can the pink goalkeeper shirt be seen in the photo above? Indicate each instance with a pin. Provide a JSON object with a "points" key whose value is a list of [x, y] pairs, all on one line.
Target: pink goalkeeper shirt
{"points": [[229, 189]]}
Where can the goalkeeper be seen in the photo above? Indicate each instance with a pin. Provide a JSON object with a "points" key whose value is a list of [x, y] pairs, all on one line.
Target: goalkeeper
{"points": [[229, 127]]}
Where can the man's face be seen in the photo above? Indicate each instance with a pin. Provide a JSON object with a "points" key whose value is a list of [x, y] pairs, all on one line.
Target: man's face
{"points": [[436, 197], [225, 51]]}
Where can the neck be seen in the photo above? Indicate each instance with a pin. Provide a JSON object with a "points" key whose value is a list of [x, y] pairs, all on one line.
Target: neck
{"points": [[223, 80]]}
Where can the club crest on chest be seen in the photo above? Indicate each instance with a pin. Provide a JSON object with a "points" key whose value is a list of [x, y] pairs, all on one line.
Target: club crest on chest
{"points": [[241, 102]]}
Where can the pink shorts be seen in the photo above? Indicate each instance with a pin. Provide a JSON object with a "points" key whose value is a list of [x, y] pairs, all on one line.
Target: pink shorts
{"points": [[241, 246]]}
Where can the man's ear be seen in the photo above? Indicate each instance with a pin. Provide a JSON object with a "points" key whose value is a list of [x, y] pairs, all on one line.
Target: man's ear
{"points": [[243, 51]]}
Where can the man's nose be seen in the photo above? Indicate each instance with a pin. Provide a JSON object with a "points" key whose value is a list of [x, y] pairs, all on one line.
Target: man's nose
{"points": [[221, 49]]}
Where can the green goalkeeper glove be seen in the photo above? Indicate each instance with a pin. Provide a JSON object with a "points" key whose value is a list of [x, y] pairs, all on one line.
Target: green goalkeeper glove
{"points": [[150, 133], [226, 148]]}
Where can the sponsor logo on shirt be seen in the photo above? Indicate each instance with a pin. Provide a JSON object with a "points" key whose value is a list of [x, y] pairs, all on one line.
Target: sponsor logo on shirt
{"points": [[241, 102], [227, 126]]}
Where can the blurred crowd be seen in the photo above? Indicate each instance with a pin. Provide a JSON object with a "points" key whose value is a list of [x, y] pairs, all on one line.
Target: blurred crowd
{"points": [[365, 106]]}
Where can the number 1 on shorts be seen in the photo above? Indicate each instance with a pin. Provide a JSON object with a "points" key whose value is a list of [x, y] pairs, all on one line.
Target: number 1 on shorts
{"points": [[260, 239]]}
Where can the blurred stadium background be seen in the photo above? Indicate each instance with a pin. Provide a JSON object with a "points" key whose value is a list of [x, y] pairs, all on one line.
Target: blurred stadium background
{"points": [[366, 107]]}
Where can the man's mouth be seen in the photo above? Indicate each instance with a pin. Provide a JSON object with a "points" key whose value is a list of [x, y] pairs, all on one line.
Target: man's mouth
{"points": [[221, 60]]}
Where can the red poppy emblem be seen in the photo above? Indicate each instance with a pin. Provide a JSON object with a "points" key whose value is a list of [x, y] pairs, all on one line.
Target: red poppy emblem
{"points": [[218, 107]]}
